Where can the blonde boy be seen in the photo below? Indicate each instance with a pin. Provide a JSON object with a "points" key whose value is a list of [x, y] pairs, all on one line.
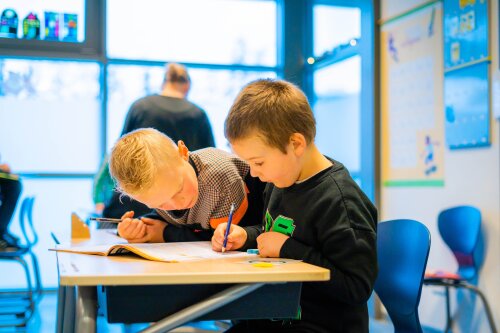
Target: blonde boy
{"points": [[192, 192], [314, 211]]}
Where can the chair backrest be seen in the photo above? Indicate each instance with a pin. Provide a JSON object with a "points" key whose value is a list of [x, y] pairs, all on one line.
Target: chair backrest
{"points": [[26, 220], [402, 250], [460, 228]]}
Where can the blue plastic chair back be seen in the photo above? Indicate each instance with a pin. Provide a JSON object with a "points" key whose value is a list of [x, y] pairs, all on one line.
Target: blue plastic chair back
{"points": [[403, 248], [460, 228], [26, 219]]}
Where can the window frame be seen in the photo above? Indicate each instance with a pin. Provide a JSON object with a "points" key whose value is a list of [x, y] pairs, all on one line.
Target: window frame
{"points": [[366, 49]]}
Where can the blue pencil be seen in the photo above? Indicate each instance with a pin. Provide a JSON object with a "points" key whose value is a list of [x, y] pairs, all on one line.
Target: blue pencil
{"points": [[228, 227]]}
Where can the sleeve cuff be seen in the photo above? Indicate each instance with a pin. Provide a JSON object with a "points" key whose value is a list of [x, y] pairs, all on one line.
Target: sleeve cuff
{"points": [[252, 233], [293, 249]]}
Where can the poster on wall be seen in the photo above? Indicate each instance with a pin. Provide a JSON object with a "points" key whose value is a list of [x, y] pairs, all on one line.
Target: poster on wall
{"points": [[412, 104], [466, 63], [467, 106], [465, 32], [48, 20]]}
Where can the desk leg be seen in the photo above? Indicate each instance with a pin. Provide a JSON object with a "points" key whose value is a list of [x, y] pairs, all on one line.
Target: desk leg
{"points": [[86, 309], [65, 309], [199, 309], [61, 296]]}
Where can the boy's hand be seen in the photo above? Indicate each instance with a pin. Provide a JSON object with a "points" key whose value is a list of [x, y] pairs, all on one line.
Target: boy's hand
{"points": [[154, 230], [5, 168], [98, 208], [133, 230], [270, 243], [235, 240]]}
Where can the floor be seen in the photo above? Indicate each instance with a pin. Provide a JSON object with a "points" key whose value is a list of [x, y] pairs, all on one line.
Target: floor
{"points": [[44, 321]]}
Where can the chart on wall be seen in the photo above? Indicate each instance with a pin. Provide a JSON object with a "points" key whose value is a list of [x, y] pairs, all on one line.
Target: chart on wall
{"points": [[412, 104], [466, 80]]}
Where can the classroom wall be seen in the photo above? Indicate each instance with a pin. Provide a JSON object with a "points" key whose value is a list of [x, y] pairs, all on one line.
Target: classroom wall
{"points": [[472, 177]]}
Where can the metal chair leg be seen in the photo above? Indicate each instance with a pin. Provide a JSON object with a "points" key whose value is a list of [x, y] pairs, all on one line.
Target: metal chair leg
{"points": [[485, 303], [23, 317], [29, 291], [449, 321], [36, 272]]}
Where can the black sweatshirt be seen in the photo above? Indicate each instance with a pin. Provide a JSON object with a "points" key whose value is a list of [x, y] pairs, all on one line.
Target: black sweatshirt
{"points": [[332, 224]]}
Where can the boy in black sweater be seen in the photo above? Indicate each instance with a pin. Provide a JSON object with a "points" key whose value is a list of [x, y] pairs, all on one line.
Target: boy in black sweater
{"points": [[315, 211]]}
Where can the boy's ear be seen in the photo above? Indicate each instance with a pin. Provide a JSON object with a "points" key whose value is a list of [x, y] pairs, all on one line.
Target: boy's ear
{"points": [[299, 143], [183, 150]]}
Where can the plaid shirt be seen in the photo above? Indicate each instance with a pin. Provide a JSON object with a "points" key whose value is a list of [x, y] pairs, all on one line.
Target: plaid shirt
{"points": [[220, 183]]}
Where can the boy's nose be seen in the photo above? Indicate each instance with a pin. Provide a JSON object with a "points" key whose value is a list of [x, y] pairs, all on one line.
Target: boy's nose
{"points": [[253, 173]]}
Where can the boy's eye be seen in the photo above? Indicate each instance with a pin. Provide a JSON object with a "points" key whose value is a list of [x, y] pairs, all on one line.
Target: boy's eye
{"points": [[259, 163]]}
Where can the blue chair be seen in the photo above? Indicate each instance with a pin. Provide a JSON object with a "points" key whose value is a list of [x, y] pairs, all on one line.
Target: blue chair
{"points": [[17, 307], [460, 228], [403, 248], [31, 239]]}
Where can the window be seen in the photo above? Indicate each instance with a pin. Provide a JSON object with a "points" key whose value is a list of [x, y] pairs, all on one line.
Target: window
{"points": [[342, 85], [49, 115], [335, 26], [337, 111], [193, 31], [126, 83]]}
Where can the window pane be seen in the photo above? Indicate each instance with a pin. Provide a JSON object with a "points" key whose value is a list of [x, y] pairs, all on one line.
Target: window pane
{"points": [[55, 200], [128, 82], [334, 26], [215, 31], [337, 111], [49, 115], [54, 20]]}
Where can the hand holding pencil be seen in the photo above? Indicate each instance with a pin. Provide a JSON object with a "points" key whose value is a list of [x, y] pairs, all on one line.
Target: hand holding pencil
{"points": [[235, 239], [228, 228], [132, 229], [141, 230]]}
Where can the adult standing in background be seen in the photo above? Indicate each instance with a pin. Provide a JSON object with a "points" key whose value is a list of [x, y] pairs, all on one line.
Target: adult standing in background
{"points": [[169, 112]]}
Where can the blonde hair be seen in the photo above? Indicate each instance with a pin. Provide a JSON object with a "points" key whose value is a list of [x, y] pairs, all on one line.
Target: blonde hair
{"points": [[275, 109], [137, 157]]}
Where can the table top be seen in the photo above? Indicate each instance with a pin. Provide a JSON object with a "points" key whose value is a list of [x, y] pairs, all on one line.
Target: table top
{"points": [[92, 270]]}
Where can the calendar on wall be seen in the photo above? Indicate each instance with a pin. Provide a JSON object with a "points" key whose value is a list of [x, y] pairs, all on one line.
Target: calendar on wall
{"points": [[412, 103]]}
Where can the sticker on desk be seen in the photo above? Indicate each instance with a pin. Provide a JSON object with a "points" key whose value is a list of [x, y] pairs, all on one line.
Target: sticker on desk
{"points": [[269, 262]]}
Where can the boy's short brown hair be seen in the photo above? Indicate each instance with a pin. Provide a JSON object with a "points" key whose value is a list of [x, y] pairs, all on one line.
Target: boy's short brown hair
{"points": [[137, 157], [275, 109]]}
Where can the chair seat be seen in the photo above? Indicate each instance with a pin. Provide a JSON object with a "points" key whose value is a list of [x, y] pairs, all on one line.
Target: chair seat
{"points": [[11, 254], [434, 275], [431, 274]]}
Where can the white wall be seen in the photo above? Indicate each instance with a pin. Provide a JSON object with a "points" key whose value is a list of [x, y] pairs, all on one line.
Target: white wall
{"points": [[472, 176]]}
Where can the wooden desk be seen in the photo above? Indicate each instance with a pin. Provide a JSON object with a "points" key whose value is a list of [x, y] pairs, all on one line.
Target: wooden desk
{"points": [[79, 275]]}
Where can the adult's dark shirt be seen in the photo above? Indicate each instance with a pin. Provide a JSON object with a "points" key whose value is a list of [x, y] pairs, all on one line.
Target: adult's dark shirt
{"points": [[176, 117]]}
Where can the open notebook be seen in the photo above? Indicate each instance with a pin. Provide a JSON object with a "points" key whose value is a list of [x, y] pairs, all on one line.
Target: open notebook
{"points": [[167, 252]]}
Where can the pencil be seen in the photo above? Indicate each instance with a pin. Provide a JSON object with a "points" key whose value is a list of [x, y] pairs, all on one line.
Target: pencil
{"points": [[105, 219], [55, 238], [228, 227]]}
